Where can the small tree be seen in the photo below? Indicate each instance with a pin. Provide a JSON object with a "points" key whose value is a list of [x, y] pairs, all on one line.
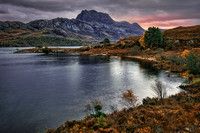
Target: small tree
{"points": [[129, 99], [46, 50], [106, 41], [153, 37], [159, 89], [94, 108]]}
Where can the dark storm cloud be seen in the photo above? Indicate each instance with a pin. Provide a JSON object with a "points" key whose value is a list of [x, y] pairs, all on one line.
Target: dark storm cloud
{"points": [[40, 4], [162, 10], [181, 6], [185, 8], [3, 11]]}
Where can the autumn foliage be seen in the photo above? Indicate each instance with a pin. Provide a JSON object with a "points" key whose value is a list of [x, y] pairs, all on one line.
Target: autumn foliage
{"points": [[142, 41], [129, 99], [178, 113], [185, 53]]}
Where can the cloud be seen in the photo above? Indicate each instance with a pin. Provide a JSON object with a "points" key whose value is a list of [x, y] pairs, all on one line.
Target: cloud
{"points": [[172, 23], [142, 11], [3, 11]]}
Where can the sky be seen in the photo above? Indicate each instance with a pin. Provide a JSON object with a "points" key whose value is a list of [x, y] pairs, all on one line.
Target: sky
{"points": [[164, 14]]}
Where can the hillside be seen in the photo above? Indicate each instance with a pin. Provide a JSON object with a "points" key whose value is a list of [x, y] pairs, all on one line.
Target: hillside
{"points": [[88, 27], [183, 36], [176, 38], [178, 113]]}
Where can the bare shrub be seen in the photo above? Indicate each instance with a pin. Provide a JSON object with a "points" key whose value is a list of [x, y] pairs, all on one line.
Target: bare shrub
{"points": [[159, 89], [129, 99], [113, 108]]}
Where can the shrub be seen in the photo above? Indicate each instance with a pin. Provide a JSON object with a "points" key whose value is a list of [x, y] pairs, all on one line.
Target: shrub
{"points": [[101, 121], [160, 50], [196, 81], [159, 89], [168, 43], [134, 50], [176, 59], [150, 101], [153, 37], [105, 41], [94, 108], [192, 60], [46, 50], [129, 99], [184, 53], [146, 100]]}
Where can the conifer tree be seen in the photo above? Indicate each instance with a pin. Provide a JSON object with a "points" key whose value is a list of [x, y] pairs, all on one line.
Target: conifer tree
{"points": [[153, 37]]}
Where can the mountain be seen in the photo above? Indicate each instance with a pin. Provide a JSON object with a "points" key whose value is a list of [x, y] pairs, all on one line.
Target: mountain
{"points": [[90, 26], [94, 16]]}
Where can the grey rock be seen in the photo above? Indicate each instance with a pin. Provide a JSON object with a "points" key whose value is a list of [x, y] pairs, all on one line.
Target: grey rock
{"points": [[94, 16], [190, 42], [177, 41]]}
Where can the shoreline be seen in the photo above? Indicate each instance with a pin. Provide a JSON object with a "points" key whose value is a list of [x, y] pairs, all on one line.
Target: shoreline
{"points": [[141, 114], [100, 50], [141, 58]]}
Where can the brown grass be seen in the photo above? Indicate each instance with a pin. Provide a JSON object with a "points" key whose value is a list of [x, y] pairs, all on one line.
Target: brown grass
{"points": [[183, 33], [178, 113]]}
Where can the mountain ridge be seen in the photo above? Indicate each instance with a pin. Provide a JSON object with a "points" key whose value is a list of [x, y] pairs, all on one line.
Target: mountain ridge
{"points": [[89, 25]]}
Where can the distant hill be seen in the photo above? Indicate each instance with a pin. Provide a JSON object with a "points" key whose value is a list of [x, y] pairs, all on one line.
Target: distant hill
{"points": [[183, 36], [89, 26], [176, 38]]}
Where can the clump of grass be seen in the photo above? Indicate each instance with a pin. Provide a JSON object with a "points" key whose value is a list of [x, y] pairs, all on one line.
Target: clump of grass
{"points": [[93, 108], [135, 50], [176, 59], [101, 120], [192, 60], [196, 81], [160, 50], [46, 50]]}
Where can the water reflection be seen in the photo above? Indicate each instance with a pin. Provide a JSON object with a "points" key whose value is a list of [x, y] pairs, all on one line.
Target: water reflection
{"points": [[39, 91]]}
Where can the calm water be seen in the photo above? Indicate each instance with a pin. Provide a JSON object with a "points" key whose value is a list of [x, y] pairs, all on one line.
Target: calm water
{"points": [[38, 92]]}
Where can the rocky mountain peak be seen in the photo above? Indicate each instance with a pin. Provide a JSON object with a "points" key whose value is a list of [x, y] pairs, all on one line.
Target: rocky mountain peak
{"points": [[89, 25], [94, 16]]}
